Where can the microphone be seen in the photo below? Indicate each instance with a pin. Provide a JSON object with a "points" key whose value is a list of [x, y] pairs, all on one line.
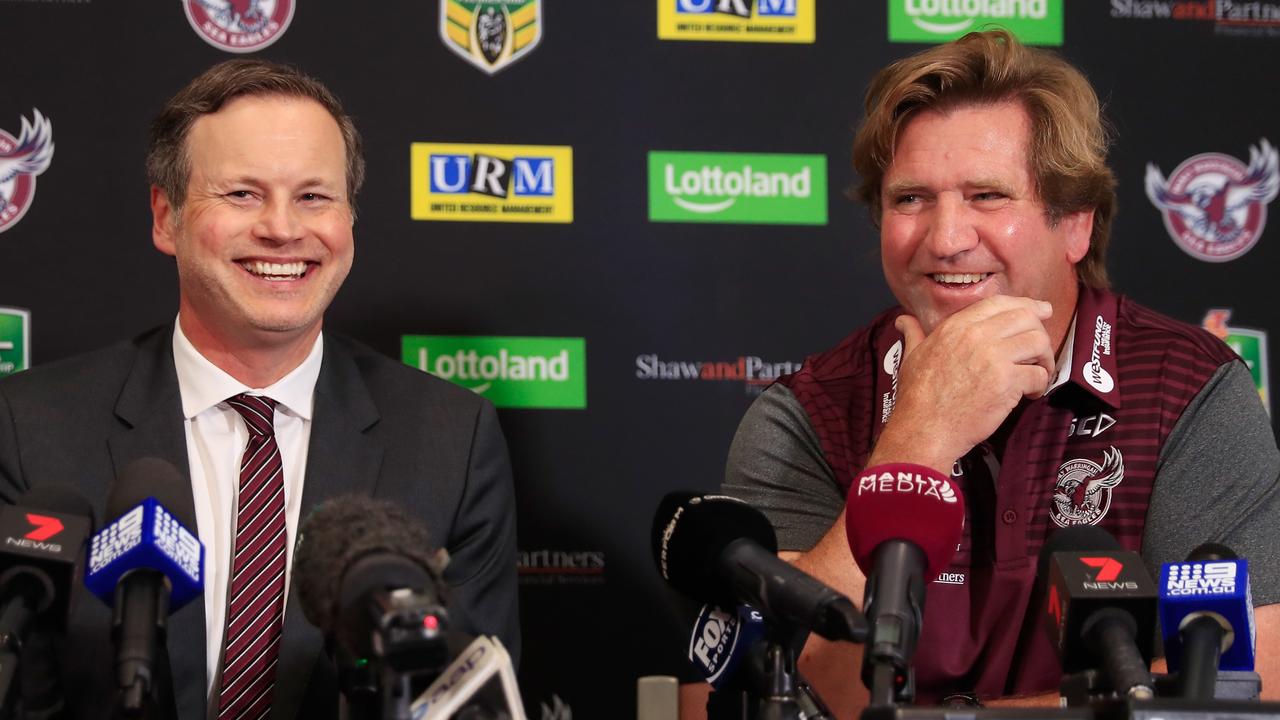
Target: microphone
{"points": [[1101, 607], [1206, 618], [721, 639], [479, 685], [904, 523], [720, 550], [368, 581], [145, 564], [43, 541]]}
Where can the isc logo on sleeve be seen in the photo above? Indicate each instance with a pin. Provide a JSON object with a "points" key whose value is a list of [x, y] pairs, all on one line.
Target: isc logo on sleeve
{"points": [[494, 183]]}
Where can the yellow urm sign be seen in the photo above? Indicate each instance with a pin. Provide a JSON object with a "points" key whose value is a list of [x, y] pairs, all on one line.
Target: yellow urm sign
{"points": [[786, 21], [491, 183]]}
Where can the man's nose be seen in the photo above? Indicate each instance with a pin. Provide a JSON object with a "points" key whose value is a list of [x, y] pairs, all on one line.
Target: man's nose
{"points": [[950, 231], [278, 222]]}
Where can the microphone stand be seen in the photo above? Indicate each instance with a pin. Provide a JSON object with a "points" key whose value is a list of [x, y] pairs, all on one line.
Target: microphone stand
{"points": [[780, 692], [894, 606]]}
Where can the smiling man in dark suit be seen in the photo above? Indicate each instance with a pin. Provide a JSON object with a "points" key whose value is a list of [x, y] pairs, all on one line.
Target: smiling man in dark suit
{"points": [[254, 168]]}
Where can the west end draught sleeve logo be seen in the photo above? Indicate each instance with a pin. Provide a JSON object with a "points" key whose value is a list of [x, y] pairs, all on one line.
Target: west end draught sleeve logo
{"points": [[491, 183], [781, 21], [1035, 22], [764, 188], [513, 372]]}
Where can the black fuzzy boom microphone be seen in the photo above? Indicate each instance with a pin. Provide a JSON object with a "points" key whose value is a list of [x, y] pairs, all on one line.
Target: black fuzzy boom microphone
{"points": [[367, 578]]}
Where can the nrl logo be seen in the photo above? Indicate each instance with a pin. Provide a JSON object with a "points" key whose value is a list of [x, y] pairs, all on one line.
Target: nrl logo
{"points": [[21, 160], [1083, 493], [491, 34]]}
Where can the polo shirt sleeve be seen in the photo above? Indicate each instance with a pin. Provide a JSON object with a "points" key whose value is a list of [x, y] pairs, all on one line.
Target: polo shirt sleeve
{"points": [[1218, 480], [776, 464]]}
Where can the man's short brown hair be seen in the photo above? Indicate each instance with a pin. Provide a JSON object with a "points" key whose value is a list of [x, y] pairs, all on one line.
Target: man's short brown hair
{"points": [[1069, 138], [168, 164]]}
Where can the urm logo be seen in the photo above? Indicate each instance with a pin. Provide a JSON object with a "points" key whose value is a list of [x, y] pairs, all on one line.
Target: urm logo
{"points": [[493, 176]]}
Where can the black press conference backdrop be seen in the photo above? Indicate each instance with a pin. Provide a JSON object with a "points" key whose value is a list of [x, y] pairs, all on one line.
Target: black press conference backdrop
{"points": [[674, 232]]}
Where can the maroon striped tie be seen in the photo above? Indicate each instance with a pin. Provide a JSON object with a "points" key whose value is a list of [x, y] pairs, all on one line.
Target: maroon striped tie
{"points": [[255, 606]]}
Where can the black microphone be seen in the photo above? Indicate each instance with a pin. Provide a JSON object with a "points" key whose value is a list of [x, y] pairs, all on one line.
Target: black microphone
{"points": [[145, 564], [366, 577], [1101, 607], [720, 550], [43, 541]]}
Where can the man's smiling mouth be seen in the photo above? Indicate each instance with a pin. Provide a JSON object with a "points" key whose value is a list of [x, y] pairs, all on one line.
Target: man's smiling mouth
{"points": [[275, 271]]}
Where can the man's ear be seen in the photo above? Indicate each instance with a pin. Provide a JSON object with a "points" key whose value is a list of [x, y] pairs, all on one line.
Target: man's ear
{"points": [[1077, 229], [164, 222]]}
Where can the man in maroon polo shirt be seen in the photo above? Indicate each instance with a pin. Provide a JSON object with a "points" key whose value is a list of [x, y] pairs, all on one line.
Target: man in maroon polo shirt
{"points": [[1011, 367]]}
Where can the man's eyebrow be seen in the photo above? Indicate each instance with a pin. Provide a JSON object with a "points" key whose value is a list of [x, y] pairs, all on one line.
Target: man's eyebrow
{"points": [[904, 186], [989, 183]]}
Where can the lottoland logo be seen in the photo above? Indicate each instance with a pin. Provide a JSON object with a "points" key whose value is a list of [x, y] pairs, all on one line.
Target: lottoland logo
{"points": [[15, 340], [491, 183], [737, 188], [513, 372], [1036, 22]]}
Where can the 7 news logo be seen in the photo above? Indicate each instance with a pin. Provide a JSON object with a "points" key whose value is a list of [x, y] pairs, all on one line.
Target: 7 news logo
{"points": [[496, 183], [1107, 575]]}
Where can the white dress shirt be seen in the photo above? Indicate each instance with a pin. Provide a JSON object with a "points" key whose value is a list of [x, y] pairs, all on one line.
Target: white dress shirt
{"points": [[216, 439]]}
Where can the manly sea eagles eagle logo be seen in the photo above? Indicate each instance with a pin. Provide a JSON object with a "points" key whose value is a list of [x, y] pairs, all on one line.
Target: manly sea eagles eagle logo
{"points": [[21, 160], [1214, 206], [239, 26], [1083, 493]]}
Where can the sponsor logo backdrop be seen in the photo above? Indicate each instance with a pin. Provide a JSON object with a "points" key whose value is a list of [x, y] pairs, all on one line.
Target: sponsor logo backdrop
{"points": [[654, 224]]}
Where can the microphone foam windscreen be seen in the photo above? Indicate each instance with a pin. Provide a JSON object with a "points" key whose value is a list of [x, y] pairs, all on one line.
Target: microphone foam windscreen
{"points": [[58, 498], [903, 501], [341, 531], [691, 532], [152, 477]]}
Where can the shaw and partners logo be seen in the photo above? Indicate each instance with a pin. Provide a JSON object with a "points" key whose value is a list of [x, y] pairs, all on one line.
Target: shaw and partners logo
{"points": [[1229, 17], [765, 188], [1035, 22], [560, 567], [491, 183], [513, 372], [15, 340], [790, 21], [754, 371]]}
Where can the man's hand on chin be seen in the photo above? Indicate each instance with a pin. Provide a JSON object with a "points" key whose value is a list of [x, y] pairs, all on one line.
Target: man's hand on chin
{"points": [[957, 384]]}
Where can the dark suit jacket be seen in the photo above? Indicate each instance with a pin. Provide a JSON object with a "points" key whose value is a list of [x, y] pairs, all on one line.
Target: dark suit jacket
{"points": [[379, 428]]}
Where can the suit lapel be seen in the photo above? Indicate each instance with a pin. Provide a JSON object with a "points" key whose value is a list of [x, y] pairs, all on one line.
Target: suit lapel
{"points": [[151, 406], [341, 458]]}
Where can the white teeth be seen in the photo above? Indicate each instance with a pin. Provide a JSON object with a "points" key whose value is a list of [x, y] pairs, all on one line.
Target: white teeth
{"points": [[959, 278], [275, 270]]}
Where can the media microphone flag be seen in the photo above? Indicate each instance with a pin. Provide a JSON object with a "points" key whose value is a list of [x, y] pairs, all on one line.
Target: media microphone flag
{"points": [[147, 536], [721, 639], [480, 680], [1218, 589], [50, 540]]}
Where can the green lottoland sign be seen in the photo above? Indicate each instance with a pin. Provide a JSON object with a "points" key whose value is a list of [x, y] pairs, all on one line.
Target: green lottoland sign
{"points": [[513, 372], [773, 189], [1035, 22], [15, 340], [1251, 346]]}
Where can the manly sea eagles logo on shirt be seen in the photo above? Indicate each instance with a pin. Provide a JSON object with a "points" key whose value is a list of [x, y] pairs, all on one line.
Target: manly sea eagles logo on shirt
{"points": [[21, 160], [239, 26], [1214, 207], [1083, 493]]}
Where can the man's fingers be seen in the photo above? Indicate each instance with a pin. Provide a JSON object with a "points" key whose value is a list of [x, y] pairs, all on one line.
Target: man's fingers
{"points": [[912, 333], [1031, 380], [1030, 348]]}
